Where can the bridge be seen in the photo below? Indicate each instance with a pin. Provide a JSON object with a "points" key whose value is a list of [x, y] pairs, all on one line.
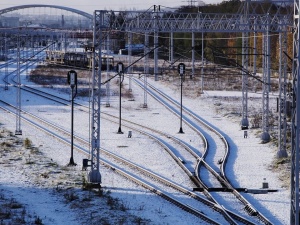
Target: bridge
{"points": [[47, 25], [50, 16]]}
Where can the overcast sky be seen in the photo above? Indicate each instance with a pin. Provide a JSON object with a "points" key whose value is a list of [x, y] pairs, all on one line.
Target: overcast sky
{"points": [[91, 5]]}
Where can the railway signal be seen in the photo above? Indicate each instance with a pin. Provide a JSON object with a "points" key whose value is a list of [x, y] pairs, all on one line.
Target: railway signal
{"points": [[181, 71], [72, 81], [120, 69]]}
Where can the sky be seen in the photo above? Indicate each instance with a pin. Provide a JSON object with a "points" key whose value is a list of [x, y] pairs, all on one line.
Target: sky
{"points": [[91, 5]]}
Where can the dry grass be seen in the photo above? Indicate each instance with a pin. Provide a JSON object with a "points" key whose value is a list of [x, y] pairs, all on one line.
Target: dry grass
{"points": [[68, 183], [55, 76]]}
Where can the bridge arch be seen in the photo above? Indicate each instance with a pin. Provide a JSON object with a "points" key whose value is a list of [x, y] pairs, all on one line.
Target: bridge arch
{"points": [[14, 8]]}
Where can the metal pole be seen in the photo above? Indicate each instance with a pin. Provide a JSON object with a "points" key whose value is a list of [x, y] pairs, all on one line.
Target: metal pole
{"points": [[181, 81], [193, 55], [156, 45], [254, 52], [2, 48], [120, 68], [282, 114], [72, 163], [245, 63], [181, 71], [32, 46], [202, 65], [146, 68], [107, 72], [120, 130], [72, 80], [145, 91], [294, 199], [6, 64], [18, 109], [171, 48], [130, 59], [265, 136], [26, 47], [94, 175]]}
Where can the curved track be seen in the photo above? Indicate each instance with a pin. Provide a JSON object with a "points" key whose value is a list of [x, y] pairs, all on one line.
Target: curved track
{"points": [[132, 171], [201, 161], [214, 157], [159, 191]]}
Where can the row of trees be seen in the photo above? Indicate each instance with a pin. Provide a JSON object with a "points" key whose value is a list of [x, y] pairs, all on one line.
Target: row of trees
{"points": [[229, 43]]}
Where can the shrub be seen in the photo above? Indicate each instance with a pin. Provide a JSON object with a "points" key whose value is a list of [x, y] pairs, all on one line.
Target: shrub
{"points": [[27, 143], [38, 221], [70, 196]]}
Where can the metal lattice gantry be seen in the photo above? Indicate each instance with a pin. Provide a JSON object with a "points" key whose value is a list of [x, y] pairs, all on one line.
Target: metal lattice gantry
{"points": [[282, 112], [18, 99], [266, 83], [245, 63], [106, 21], [98, 38], [26, 28], [21, 42], [294, 217], [28, 44], [252, 17]]}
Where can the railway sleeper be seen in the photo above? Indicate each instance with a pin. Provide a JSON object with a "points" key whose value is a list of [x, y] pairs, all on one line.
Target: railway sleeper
{"points": [[251, 210], [225, 189], [219, 189]]}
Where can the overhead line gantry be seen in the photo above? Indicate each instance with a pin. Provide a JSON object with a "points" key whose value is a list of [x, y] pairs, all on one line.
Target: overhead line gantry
{"points": [[252, 17]]}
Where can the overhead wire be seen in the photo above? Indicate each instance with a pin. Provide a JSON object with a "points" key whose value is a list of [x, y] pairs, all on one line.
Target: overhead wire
{"points": [[199, 39]]}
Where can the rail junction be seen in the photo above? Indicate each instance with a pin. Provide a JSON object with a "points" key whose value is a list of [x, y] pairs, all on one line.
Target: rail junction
{"points": [[253, 17]]}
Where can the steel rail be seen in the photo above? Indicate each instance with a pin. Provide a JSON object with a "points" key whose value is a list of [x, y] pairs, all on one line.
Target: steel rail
{"points": [[126, 174], [192, 177], [250, 209], [178, 161], [217, 176]]}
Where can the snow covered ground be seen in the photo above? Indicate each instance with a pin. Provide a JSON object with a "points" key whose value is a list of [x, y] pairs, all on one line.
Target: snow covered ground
{"points": [[50, 198]]}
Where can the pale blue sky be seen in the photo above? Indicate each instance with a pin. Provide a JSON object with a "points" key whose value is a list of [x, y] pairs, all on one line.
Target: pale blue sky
{"points": [[91, 5]]}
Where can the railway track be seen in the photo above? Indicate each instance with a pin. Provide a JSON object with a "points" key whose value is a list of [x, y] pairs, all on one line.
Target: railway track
{"points": [[200, 162], [214, 165], [131, 174], [114, 167]]}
